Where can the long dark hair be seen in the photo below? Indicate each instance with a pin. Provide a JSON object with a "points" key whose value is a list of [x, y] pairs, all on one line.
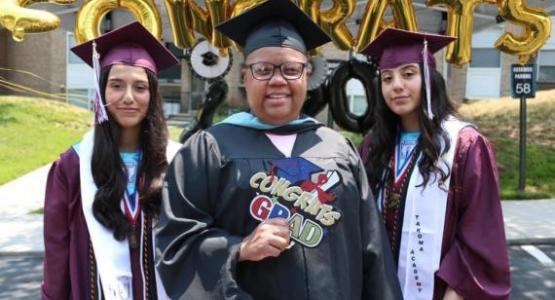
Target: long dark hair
{"points": [[109, 172], [385, 131]]}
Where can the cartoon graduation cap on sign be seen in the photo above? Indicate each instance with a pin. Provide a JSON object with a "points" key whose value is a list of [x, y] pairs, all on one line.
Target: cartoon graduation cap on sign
{"points": [[295, 169]]}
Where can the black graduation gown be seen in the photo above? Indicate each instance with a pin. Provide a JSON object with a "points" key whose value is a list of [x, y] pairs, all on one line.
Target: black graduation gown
{"points": [[206, 212]]}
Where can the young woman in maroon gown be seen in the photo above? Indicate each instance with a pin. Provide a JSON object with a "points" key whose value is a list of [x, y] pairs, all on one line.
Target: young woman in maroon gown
{"points": [[103, 194], [435, 178]]}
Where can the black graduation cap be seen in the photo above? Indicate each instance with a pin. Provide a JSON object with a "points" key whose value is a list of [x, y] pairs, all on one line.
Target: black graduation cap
{"points": [[274, 23]]}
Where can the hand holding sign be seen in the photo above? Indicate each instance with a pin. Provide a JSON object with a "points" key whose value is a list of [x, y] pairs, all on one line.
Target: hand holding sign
{"points": [[268, 239]]}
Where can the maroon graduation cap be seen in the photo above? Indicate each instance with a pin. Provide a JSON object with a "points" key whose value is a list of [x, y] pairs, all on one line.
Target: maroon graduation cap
{"points": [[395, 47], [131, 44]]}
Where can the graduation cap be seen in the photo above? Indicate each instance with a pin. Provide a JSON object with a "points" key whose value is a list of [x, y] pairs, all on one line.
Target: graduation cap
{"points": [[396, 47], [295, 169], [274, 23], [131, 44]]}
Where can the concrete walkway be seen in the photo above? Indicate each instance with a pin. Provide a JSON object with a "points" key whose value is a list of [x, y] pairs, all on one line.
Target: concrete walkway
{"points": [[20, 229], [530, 221], [526, 221]]}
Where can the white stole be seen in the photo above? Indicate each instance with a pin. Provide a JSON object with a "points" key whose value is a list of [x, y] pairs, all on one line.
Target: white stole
{"points": [[112, 256], [423, 223]]}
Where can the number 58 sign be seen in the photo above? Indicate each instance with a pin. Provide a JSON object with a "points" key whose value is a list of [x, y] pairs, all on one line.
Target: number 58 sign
{"points": [[523, 78]]}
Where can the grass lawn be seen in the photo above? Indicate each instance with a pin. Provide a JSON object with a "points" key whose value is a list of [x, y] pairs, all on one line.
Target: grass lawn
{"points": [[499, 121], [34, 132], [175, 132]]}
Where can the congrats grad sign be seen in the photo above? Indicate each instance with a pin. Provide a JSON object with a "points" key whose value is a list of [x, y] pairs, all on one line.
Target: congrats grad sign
{"points": [[288, 191]]}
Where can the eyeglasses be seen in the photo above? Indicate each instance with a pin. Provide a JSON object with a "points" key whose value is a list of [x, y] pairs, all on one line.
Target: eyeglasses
{"points": [[290, 70]]}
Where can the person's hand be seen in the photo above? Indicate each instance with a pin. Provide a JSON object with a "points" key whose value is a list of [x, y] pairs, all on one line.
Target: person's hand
{"points": [[450, 294], [268, 239]]}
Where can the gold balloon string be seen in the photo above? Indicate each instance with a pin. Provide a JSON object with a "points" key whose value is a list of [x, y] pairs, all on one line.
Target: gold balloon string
{"points": [[52, 96], [24, 89], [12, 86], [72, 95], [33, 75]]}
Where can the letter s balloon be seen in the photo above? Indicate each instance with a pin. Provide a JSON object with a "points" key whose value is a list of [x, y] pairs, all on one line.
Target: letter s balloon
{"points": [[537, 25]]}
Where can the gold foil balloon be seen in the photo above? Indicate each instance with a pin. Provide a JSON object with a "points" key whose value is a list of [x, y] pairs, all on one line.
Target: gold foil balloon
{"points": [[460, 23], [333, 20], [373, 21], [199, 20], [536, 22], [239, 7], [219, 11], [193, 18], [311, 8], [404, 15], [188, 18], [24, 3], [20, 20], [90, 16], [179, 15]]}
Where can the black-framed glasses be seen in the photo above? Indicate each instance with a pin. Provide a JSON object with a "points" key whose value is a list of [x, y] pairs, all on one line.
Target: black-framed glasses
{"points": [[290, 70]]}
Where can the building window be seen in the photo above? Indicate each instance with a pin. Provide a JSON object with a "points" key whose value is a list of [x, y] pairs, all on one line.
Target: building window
{"points": [[358, 105], [546, 66], [71, 57], [80, 97], [485, 58], [356, 96]]}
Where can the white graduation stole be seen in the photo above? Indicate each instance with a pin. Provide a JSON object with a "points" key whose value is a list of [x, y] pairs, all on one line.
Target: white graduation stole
{"points": [[112, 256], [423, 223]]}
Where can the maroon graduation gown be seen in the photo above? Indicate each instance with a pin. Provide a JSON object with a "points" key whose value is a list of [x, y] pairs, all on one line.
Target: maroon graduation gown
{"points": [[69, 262], [474, 258]]}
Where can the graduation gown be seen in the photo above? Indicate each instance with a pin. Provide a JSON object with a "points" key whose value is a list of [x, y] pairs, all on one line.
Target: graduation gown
{"points": [[69, 263], [207, 209], [474, 259]]}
